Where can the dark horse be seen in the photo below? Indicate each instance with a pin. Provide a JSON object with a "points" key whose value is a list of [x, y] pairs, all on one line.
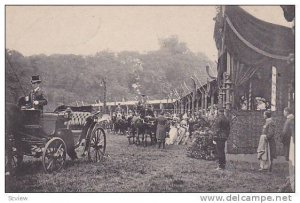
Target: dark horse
{"points": [[121, 125], [144, 127]]}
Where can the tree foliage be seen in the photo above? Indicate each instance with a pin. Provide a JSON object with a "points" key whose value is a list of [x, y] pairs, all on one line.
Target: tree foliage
{"points": [[70, 78]]}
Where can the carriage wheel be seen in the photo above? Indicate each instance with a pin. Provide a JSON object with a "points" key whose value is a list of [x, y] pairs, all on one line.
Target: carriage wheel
{"points": [[54, 155], [97, 145]]}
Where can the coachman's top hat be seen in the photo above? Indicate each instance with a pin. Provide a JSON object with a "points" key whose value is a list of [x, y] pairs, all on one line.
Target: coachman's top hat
{"points": [[35, 79]]}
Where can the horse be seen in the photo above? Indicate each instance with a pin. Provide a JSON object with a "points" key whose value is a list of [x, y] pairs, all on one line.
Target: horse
{"points": [[121, 125], [144, 127]]}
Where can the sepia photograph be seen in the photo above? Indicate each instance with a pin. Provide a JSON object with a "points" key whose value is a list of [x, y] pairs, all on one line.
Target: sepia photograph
{"points": [[150, 99]]}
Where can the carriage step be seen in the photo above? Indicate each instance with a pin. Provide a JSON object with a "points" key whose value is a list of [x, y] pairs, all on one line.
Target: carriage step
{"points": [[32, 126]]}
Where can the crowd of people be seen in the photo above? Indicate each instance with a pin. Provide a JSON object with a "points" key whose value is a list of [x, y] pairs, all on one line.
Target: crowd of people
{"points": [[210, 128], [206, 132]]}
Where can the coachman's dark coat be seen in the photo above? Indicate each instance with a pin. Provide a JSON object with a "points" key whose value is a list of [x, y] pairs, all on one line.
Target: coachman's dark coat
{"points": [[37, 95]]}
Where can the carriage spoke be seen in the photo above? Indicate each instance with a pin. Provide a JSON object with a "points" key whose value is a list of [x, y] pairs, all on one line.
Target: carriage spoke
{"points": [[101, 152], [50, 164], [59, 148], [97, 136], [93, 141]]}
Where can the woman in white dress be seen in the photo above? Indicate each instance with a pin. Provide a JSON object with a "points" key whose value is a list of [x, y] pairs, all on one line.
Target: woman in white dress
{"points": [[182, 131], [173, 133]]}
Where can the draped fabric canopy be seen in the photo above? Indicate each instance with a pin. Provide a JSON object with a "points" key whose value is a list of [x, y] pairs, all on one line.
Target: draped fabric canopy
{"points": [[255, 42], [254, 46]]}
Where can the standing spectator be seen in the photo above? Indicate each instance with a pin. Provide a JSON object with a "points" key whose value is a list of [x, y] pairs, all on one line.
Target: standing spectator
{"points": [[155, 114], [161, 131], [221, 129], [173, 132], [269, 131], [119, 109], [182, 131], [288, 131]]}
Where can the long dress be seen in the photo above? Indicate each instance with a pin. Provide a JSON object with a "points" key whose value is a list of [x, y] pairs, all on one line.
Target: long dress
{"points": [[267, 147], [182, 132], [263, 152], [172, 135], [269, 131]]}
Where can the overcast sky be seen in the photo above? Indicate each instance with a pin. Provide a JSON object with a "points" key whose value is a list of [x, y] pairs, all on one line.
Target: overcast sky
{"points": [[89, 29]]}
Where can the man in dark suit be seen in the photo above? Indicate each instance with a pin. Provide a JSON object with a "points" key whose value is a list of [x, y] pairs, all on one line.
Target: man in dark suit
{"points": [[161, 131], [221, 129], [288, 131], [36, 97]]}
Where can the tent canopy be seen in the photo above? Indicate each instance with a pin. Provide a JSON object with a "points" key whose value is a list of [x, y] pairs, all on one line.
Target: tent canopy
{"points": [[255, 42]]}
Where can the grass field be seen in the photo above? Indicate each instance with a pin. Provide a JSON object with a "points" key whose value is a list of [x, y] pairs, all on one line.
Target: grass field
{"points": [[130, 168]]}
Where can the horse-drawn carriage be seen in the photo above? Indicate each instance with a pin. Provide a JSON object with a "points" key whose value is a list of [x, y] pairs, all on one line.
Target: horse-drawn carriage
{"points": [[33, 133]]}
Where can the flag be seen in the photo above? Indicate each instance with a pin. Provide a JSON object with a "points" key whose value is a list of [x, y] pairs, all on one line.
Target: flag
{"points": [[194, 84], [208, 87], [200, 84], [188, 89], [194, 88], [182, 88], [176, 94]]}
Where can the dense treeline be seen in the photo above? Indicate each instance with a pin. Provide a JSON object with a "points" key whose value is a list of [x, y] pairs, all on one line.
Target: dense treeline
{"points": [[70, 78]]}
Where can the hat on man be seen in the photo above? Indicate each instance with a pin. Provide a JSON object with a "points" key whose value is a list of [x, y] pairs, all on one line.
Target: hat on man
{"points": [[35, 79]]}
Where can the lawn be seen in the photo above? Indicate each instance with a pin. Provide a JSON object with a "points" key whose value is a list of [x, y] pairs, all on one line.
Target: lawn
{"points": [[130, 168]]}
